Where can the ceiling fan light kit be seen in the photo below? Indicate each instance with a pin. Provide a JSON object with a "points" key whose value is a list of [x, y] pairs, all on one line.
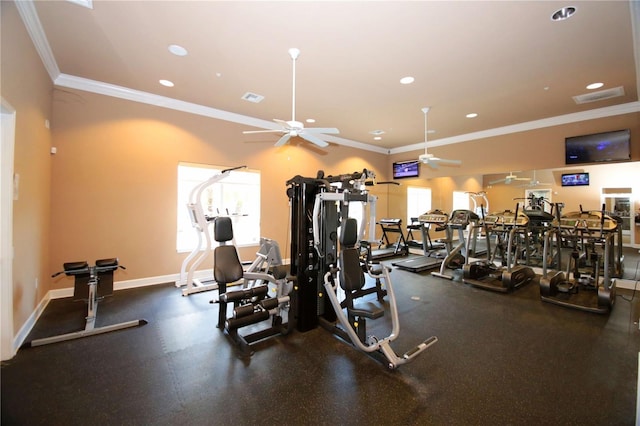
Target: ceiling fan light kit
{"points": [[292, 128]]}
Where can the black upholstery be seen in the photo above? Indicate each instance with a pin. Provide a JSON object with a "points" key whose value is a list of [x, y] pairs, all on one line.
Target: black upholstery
{"points": [[349, 234], [222, 229], [351, 273], [352, 278], [227, 267]]}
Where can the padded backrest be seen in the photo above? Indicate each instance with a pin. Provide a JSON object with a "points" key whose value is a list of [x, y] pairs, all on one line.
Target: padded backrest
{"points": [[351, 273], [227, 267], [222, 229], [349, 234]]}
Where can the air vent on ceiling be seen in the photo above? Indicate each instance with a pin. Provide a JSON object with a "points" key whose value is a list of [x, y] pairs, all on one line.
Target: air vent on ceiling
{"points": [[600, 95], [252, 97]]}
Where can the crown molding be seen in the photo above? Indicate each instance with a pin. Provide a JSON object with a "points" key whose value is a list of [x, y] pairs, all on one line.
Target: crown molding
{"points": [[559, 120], [87, 85], [29, 15]]}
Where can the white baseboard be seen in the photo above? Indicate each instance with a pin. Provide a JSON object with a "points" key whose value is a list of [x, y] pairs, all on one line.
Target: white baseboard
{"points": [[61, 293], [30, 323]]}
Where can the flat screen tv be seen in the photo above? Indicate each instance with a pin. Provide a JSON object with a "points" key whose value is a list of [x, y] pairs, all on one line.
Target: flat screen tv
{"points": [[575, 179], [406, 169], [599, 147]]}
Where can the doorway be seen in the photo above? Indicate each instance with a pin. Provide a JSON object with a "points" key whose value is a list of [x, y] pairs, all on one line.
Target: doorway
{"points": [[7, 142], [619, 202]]}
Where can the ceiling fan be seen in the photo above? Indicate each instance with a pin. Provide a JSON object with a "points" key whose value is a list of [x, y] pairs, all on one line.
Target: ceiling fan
{"points": [[508, 179], [535, 182], [430, 159], [295, 128]]}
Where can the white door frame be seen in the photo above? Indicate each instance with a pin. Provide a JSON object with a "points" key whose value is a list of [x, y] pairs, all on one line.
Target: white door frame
{"points": [[7, 139]]}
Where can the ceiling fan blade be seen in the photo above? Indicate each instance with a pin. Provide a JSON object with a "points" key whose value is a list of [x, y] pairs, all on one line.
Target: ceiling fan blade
{"points": [[249, 132], [325, 130], [433, 164], [283, 123], [284, 139], [449, 162], [313, 139], [494, 182]]}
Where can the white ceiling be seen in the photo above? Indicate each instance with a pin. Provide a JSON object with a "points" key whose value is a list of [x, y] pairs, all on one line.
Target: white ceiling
{"points": [[506, 61]]}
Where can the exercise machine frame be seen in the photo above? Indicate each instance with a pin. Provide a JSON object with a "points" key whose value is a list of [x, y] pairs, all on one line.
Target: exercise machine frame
{"points": [[573, 288], [200, 222], [319, 207], [484, 273], [87, 287]]}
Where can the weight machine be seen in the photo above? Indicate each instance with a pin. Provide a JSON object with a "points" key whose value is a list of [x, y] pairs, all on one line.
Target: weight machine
{"points": [[319, 214], [252, 303], [200, 223], [92, 284]]}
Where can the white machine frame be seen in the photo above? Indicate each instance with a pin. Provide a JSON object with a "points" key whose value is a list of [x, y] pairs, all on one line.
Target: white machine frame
{"points": [[201, 225]]}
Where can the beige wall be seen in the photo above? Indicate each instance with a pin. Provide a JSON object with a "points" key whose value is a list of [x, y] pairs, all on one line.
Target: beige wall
{"points": [[541, 150], [111, 188], [27, 87], [535, 149], [114, 180]]}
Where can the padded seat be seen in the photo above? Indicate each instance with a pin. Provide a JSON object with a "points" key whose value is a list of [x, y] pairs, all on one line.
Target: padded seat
{"points": [[371, 310]]}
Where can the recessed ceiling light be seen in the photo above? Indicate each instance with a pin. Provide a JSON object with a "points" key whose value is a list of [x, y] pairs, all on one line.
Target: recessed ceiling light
{"points": [[407, 80], [178, 50], [472, 115], [595, 86], [564, 13], [166, 83], [377, 138], [310, 120]]}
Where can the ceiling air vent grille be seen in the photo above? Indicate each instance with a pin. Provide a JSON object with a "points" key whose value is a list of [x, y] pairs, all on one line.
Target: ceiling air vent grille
{"points": [[600, 95], [252, 97]]}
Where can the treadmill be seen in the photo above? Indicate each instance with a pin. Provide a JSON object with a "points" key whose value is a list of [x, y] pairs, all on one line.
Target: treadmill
{"points": [[432, 254], [505, 226], [387, 248]]}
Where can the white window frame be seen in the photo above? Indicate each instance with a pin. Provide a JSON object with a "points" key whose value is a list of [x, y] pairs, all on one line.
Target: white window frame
{"points": [[236, 196], [418, 201]]}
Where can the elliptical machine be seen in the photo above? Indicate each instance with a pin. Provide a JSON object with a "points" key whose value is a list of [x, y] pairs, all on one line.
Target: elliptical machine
{"points": [[582, 289], [456, 258], [484, 273]]}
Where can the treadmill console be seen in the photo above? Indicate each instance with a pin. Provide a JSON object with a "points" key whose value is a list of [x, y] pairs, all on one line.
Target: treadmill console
{"points": [[391, 222], [434, 217], [462, 218], [587, 221]]}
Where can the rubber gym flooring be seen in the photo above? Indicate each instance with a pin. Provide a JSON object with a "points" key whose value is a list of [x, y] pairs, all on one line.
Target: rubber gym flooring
{"points": [[500, 359]]}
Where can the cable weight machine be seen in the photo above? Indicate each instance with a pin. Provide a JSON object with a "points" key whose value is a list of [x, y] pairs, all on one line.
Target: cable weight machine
{"points": [[323, 260]]}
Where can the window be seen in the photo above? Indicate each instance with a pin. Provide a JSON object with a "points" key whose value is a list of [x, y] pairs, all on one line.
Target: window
{"points": [[460, 200], [237, 195], [418, 201]]}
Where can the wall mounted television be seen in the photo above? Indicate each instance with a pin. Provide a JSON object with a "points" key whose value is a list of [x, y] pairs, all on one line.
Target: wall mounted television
{"points": [[406, 169], [598, 147], [575, 179]]}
